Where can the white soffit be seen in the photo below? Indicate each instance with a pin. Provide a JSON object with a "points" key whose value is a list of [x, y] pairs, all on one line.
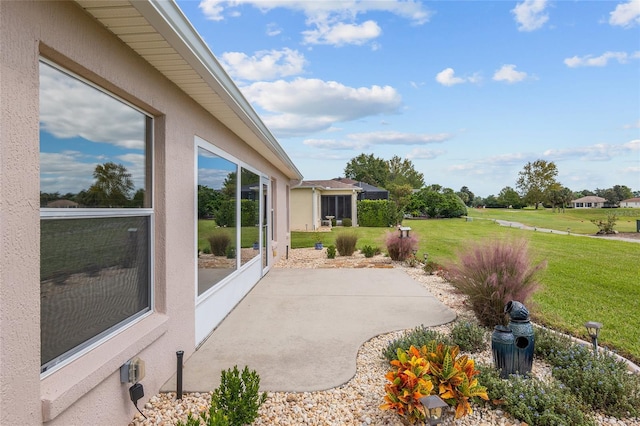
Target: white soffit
{"points": [[160, 33]]}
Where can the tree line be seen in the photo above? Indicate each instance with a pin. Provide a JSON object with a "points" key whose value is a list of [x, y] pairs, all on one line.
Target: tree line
{"points": [[536, 185]]}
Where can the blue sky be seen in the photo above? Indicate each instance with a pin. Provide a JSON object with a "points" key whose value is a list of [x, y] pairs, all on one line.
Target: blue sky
{"points": [[468, 91]]}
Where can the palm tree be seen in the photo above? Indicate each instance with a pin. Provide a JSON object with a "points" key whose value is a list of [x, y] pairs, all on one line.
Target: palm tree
{"points": [[113, 185]]}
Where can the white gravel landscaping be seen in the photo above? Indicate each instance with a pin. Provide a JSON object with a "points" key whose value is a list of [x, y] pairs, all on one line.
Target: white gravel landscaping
{"points": [[356, 402]]}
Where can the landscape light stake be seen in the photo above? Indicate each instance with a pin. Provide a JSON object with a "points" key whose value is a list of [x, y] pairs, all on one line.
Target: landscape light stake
{"points": [[433, 406], [426, 257], [593, 328]]}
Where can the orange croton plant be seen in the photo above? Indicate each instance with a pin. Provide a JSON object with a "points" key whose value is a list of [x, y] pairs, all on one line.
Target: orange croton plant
{"points": [[433, 369]]}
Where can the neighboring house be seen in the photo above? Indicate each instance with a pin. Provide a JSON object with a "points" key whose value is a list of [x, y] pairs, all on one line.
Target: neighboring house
{"points": [[588, 202], [369, 192], [631, 202], [314, 202], [83, 291]]}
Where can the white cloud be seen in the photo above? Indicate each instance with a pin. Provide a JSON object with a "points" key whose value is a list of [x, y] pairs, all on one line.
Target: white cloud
{"points": [[264, 65], [424, 154], [509, 74], [635, 125], [530, 14], [330, 22], [303, 106], [447, 77], [70, 108], [599, 61], [341, 33], [273, 29], [597, 152], [626, 14], [360, 141]]}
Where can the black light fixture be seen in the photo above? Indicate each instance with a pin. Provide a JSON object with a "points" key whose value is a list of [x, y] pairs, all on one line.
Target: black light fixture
{"points": [[593, 328], [433, 407]]}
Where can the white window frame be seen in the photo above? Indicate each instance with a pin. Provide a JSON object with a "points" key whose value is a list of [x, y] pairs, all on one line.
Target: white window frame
{"points": [[98, 213]]}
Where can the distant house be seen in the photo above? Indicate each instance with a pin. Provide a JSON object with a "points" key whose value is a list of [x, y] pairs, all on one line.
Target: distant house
{"points": [[589, 202], [369, 192], [631, 202], [315, 202]]}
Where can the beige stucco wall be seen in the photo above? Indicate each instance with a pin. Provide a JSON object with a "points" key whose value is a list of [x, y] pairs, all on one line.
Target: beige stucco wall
{"points": [[302, 209], [88, 390]]}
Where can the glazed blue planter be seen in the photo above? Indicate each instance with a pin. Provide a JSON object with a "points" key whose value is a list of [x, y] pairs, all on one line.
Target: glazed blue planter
{"points": [[524, 346], [503, 349]]}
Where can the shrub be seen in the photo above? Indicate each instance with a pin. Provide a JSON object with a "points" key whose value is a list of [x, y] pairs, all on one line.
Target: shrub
{"points": [[453, 377], [346, 243], [469, 336], [400, 248], [231, 252], [369, 251], [207, 250], [601, 382], [346, 222], [417, 337], [238, 396], [606, 226], [218, 243], [408, 382], [535, 402], [331, 252], [235, 402], [431, 267], [377, 213], [493, 273]]}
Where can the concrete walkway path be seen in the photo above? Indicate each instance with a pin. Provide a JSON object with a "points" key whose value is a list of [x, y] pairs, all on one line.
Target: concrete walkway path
{"points": [[519, 225], [301, 329]]}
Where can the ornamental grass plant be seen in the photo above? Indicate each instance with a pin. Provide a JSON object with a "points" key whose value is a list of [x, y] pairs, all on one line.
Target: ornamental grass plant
{"points": [[493, 272], [346, 243]]}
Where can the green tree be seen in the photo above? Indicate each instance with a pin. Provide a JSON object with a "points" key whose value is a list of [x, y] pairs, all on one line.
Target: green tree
{"points": [[509, 197], [435, 202], [368, 169], [400, 195], [466, 196], [535, 180], [615, 194], [402, 172], [113, 186]]}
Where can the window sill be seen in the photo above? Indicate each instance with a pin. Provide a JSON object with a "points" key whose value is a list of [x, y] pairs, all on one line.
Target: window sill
{"points": [[64, 387]]}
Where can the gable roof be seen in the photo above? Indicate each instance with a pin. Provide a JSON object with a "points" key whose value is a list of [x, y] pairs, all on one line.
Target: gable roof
{"points": [[631, 200], [365, 186], [161, 34], [590, 199], [328, 185]]}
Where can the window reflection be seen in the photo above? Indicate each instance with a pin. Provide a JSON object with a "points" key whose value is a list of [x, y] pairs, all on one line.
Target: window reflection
{"points": [[217, 196], [250, 215]]}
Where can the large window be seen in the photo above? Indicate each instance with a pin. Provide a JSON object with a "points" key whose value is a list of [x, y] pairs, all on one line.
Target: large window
{"points": [[217, 212], [96, 214]]}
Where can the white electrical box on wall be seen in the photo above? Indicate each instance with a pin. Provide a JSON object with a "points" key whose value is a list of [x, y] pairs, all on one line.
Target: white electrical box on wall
{"points": [[132, 371]]}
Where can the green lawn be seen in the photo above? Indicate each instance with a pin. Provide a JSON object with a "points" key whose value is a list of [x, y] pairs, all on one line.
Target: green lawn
{"points": [[587, 279], [578, 220]]}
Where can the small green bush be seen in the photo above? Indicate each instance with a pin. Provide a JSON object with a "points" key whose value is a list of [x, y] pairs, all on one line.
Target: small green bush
{"points": [[231, 252], [533, 401], [431, 267], [400, 248], [493, 273], [469, 336], [331, 252], [206, 250], [346, 243], [238, 396], [346, 222], [213, 417], [417, 337], [369, 251], [218, 243]]}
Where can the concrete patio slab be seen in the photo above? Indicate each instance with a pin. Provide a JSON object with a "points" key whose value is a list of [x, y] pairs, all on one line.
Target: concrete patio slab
{"points": [[301, 329]]}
